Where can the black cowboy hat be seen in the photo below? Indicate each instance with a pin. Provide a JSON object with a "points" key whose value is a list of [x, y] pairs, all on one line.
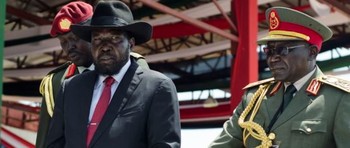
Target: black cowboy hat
{"points": [[117, 15]]}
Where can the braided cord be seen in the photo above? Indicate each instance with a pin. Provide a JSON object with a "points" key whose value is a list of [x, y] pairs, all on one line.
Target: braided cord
{"points": [[47, 92], [250, 128]]}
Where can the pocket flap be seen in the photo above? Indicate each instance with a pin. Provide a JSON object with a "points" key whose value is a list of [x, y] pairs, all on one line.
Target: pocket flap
{"points": [[310, 126]]}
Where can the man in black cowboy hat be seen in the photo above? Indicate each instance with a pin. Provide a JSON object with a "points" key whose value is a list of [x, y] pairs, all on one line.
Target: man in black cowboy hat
{"points": [[119, 104]]}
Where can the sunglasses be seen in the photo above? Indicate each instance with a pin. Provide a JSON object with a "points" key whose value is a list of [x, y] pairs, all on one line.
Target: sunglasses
{"points": [[282, 50]]}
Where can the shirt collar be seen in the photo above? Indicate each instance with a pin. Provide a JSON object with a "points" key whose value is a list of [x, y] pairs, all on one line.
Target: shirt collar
{"points": [[82, 68], [117, 77], [298, 84]]}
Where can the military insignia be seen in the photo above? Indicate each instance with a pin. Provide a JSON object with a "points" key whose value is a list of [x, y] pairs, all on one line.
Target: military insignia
{"points": [[313, 87], [71, 70], [336, 82], [276, 88], [274, 20], [64, 24], [47, 92]]}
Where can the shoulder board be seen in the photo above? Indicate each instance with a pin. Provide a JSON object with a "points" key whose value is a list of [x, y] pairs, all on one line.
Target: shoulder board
{"points": [[259, 83], [136, 55], [61, 67], [336, 82]]}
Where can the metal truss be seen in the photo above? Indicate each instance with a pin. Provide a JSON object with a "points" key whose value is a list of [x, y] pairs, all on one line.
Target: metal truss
{"points": [[205, 71]]}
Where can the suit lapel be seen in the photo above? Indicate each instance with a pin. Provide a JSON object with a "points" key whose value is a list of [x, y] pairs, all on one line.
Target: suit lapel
{"points": [[85, 102], [120, 98], [300, 101]]}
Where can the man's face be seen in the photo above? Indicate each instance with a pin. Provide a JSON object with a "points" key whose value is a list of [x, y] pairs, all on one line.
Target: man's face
{"points": [[110, 50], [78, 50], [292, 64]]}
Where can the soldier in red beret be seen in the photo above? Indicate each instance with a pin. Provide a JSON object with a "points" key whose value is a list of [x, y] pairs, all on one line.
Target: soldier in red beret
{"points": [[299, 107], [79, 55]]}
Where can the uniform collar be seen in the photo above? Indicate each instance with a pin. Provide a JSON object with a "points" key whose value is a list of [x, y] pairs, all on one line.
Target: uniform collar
{"points": [[82, 68], [300, 83]]}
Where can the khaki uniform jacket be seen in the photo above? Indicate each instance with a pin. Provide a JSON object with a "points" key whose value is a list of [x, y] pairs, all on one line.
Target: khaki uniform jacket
{"points": [[309, 121]]}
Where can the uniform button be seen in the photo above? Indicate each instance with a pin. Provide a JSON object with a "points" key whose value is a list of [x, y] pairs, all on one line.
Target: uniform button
{"points": [[272, 136], [308, 130]]}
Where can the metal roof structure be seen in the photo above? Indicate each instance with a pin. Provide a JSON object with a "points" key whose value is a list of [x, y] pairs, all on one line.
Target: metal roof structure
{"points": [[194, 54]]}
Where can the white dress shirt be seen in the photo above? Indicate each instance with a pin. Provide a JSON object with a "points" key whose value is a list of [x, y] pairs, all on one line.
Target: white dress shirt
{"points": [[99, 87]]}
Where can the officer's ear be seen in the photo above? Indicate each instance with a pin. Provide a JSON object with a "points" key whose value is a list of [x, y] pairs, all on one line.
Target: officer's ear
{"points": [[131, 43], [313, 51]]}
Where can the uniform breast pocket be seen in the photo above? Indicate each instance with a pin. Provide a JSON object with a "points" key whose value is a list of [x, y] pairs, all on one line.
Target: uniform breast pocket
{"points": [[308, 133]]}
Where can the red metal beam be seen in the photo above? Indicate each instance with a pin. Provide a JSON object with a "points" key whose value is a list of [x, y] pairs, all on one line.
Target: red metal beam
{"points": [[189, 20], [168, 31], [233, 26], [26, 16], [16, 138], [245, 63]]}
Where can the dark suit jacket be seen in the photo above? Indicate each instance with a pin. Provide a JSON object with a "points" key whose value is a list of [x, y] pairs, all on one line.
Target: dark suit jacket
{"points": [[58, 76], [142, 113], [45, 118]]}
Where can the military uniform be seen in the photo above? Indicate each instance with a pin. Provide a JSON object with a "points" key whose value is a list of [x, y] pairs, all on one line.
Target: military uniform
{"points": [[71, 13], [317, 115], [49, 88], [310, 120]]}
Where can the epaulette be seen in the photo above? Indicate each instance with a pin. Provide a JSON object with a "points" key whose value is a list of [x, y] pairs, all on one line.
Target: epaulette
{"points": [[136, 55], [336, 82], [140, 60], [61, 67], [46, 91], [259, 83]]}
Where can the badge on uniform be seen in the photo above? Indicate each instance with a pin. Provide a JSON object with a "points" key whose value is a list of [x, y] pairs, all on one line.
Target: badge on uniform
{"points": [[313, 87], [274, 20], [64, 24], [276, 88]]}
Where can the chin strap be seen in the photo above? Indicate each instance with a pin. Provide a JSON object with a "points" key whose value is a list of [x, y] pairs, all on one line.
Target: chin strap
{"points": [[250, 128]]}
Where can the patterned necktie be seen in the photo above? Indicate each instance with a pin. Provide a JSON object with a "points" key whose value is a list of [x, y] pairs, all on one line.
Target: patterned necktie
{"points": [[288, 95], [100, 109]]}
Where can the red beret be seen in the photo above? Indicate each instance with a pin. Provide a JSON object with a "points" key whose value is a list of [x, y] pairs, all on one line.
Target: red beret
{"points": [[72, 13]]}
